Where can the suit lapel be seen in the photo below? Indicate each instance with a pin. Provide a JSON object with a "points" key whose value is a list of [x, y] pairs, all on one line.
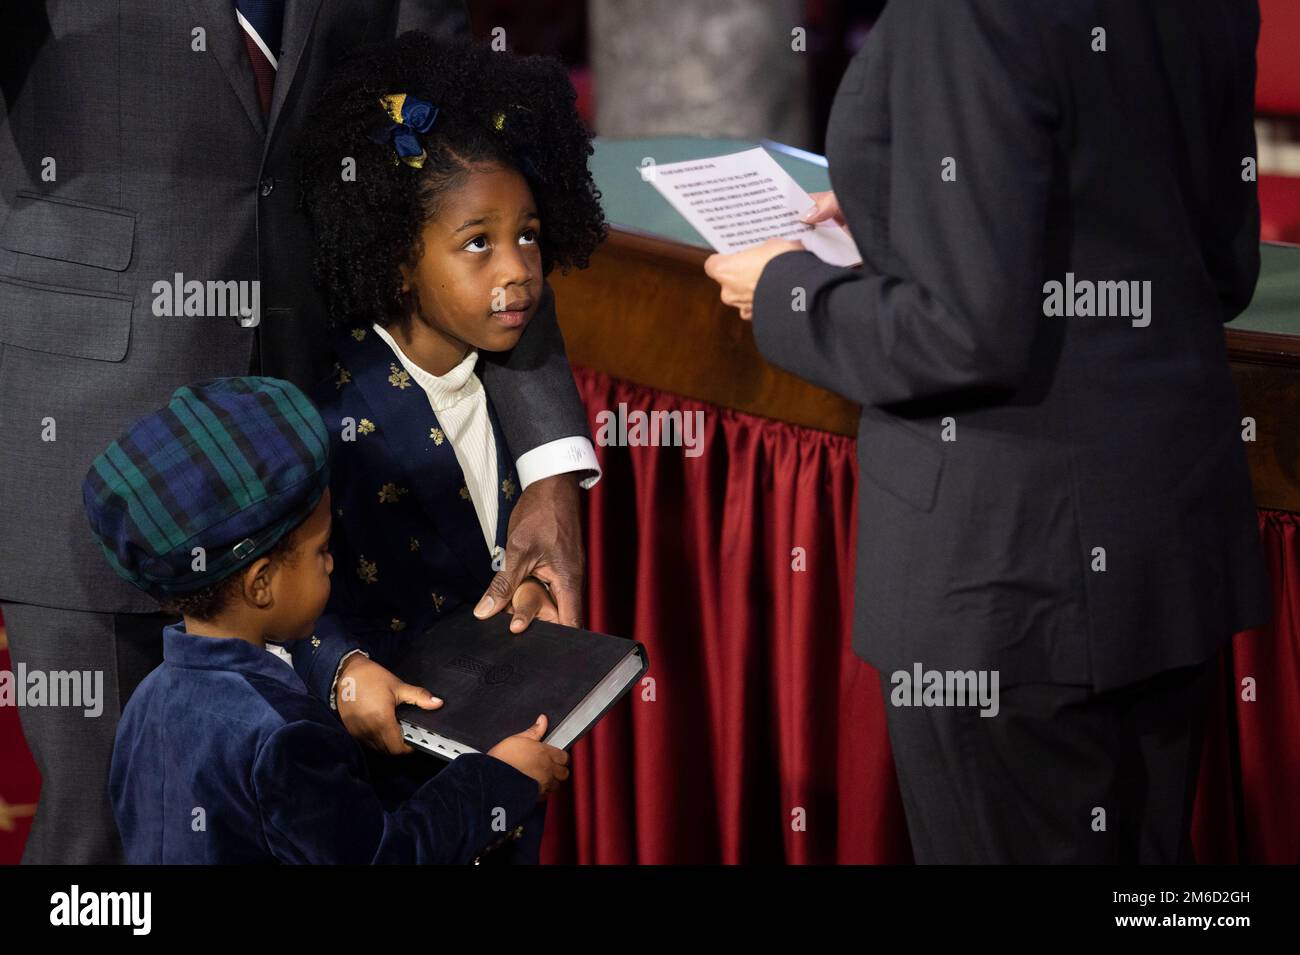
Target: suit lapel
{"points": [[421, 451], [299, 18], [226, 44]]}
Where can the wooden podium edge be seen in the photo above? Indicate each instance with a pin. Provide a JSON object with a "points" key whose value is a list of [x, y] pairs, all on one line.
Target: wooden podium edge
{"points": [[706, 352]]}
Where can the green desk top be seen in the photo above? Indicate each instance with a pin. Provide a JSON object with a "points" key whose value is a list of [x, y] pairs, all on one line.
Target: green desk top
{"points": [[1276, 305], [630, 201]]}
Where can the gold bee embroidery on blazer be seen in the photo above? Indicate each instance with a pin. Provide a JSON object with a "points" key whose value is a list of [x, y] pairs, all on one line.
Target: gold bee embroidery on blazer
{"points": [[367, 570], [464, 493], [390, 492], [415, 544], [437, 435], [366, 426], [359, 334], [400, 378], [397, 624], [508, 488], [344, 376]]}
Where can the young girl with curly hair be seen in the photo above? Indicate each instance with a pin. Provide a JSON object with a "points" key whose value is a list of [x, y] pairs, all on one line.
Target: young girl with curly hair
{"points": [[443, 183]]}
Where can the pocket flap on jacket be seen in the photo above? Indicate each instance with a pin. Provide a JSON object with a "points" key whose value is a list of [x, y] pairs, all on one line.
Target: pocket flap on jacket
{"points": [[53, 228], [903, 463], [64, 321]]}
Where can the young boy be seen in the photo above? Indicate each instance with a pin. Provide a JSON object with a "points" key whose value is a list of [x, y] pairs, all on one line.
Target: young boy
{"points": [[218, 506]]}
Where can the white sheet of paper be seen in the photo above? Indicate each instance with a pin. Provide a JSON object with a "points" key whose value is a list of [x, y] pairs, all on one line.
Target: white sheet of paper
{"points": [[741, 199]]}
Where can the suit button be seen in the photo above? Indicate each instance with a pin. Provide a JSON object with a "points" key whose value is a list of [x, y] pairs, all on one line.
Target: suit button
{"points": [[267, 186]]}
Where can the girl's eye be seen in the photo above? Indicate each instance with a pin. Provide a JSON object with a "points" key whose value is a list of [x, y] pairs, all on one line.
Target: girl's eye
{"points": [[528, 237], [476, 244]]}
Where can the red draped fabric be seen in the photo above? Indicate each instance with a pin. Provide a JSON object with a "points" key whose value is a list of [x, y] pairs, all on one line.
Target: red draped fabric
{"points": [[1248, 801], [760, 737], [20, 783]]}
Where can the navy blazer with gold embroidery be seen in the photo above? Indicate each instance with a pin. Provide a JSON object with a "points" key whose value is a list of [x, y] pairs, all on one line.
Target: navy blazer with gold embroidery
{"points": [[408, 547]]}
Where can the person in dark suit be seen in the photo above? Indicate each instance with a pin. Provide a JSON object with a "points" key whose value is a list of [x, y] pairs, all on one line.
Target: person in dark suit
{"points": [[147, 150], [1055, 212]]}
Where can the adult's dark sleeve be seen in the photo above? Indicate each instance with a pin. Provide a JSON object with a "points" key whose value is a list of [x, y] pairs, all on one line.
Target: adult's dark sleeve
{"points": [[966, 81], [532, 386], [1239, 273], [448, 19]]}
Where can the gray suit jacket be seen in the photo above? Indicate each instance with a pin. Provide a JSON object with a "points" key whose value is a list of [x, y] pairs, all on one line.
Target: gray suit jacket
{"points": [[162, 165], [1064, 499]]}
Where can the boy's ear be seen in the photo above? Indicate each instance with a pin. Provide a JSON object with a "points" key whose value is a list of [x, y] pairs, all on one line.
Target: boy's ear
{"points": [[257, 584]]}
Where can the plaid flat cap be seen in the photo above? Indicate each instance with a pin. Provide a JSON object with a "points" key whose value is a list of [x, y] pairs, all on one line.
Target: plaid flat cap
{"points": [[230, 466]]}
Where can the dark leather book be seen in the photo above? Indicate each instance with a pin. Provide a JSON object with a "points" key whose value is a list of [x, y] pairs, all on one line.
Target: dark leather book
{"points": [[494, 683]]}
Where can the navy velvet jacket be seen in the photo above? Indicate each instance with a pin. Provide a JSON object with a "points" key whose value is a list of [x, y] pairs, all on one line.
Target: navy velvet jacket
{"points": [[406, 540], [223, 757]]}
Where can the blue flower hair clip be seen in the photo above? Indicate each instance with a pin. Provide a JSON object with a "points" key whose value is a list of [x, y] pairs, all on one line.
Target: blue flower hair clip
{"points": [[407, 116]]}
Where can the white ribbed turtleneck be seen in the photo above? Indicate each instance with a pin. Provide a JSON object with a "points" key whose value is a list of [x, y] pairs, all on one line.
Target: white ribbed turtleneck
{"points": [[459, 401]]}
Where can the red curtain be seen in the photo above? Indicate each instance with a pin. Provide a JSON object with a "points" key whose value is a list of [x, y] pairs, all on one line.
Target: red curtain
{"points": [[762, 737], [1248, 800], [20, 783]]}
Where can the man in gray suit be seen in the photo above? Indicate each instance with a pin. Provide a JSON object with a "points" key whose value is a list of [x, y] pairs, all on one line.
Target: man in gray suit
{"points": [[148, 143]]}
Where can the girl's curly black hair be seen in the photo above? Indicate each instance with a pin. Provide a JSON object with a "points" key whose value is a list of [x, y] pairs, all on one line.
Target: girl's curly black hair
{"points": [[366, 228]]}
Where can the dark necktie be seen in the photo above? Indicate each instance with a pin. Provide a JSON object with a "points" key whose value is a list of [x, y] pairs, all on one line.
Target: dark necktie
{"points": [[260, 22]]}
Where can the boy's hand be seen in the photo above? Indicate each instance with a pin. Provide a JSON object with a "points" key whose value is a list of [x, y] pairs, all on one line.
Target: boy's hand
{"points": [[527, 753], [532, 601], [368, 705]]}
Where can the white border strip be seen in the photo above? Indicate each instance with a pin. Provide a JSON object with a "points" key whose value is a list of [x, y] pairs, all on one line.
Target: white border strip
{"points": [[248, 28]]}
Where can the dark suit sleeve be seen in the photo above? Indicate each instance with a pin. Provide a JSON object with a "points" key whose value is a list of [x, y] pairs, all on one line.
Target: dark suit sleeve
{"points": [[532, 386], [962, 311], [1237, 270], [318, 807], [448, 19]]}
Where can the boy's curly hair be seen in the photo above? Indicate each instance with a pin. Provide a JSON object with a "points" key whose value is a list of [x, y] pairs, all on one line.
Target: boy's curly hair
{"points": [[365, 229], [211, 601]]}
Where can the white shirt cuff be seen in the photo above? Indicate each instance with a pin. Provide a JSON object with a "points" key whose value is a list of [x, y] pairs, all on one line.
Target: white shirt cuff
{"points": [[558, 457]]}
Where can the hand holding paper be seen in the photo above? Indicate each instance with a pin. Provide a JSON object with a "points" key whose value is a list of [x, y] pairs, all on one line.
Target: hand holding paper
{"points": [[740, 200], [738, 272], [828, 207]]}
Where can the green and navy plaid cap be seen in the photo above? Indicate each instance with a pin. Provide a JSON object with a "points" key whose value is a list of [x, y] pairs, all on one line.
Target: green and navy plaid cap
{"points": [[230, 466]]}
